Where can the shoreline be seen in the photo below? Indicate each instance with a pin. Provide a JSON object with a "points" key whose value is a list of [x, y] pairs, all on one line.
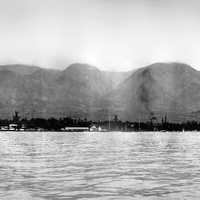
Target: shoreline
{"points": [[141, 131]]}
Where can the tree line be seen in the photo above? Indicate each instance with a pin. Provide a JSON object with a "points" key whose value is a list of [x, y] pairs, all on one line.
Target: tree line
{"points": [[58, 124]]}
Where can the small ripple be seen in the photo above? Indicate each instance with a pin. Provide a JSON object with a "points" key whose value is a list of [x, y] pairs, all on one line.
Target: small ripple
{"points": [[99, 166]]}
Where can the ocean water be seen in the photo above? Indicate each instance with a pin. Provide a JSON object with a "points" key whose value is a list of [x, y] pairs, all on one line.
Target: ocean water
{"points": [[142, 165]]}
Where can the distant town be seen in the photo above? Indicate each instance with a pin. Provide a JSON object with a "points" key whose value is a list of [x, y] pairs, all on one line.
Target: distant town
{"points": [[69, 124]]}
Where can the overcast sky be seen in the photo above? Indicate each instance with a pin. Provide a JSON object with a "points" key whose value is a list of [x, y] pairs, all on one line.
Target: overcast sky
{"points": [[111, 34]]}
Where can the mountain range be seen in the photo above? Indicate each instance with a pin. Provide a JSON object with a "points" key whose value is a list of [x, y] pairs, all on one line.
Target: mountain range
{"points": [[81, 90]]}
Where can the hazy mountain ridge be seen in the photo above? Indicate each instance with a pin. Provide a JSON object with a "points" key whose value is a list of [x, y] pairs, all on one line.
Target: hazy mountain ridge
{"points": [[35, 91], [85, 91], [159, 89]]}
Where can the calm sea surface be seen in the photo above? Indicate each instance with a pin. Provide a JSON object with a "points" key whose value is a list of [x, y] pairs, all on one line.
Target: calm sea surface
{"points": [[116, 165]]}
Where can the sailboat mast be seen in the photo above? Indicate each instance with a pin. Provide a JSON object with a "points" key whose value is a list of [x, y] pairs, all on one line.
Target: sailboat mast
{"points": [[109, 121], [139, 122]]}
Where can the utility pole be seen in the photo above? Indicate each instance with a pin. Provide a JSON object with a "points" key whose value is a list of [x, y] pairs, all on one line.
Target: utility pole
{"points": [[139, 123]]}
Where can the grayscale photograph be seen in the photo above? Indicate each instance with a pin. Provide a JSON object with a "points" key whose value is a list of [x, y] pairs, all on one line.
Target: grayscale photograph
{"points": [[99, 99]]}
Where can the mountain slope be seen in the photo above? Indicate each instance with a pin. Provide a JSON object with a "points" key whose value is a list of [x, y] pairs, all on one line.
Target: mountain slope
{"points": [[158, 89], [80, 87], [37, 92], [82, 90]]}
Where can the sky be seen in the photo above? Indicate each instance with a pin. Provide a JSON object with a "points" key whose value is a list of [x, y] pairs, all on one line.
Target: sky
{"points": [[117, 35]]}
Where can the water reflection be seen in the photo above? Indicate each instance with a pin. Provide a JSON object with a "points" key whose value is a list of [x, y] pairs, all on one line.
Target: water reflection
{"points": [[117, 165]]}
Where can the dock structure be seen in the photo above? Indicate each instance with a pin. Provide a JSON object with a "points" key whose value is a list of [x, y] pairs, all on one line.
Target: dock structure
{"points": [[75, 129]]}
